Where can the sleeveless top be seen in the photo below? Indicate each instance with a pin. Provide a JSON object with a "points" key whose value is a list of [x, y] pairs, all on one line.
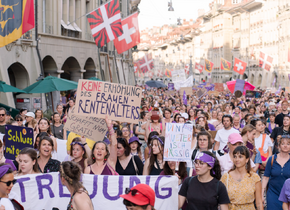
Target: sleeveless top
{"points": [[106, 170], [69, 206], [270, 128], [156, 171], [81, 163]]}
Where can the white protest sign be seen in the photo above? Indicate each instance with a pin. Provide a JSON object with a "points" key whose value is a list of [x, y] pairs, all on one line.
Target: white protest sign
{"points": [[98, 99], [178, 139], [185, 83], [91, 127], [45, 191], [178, 75]]}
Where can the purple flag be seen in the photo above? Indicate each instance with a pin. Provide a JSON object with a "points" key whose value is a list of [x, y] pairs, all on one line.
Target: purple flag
{"points": [[184, 98], [274, 81], [240, 84], [288, 76], [279, 90]]}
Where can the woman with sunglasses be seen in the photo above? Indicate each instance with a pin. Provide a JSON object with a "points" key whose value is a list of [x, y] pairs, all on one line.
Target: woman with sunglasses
{"points": [[276, 173], [70, 176], [204, 191], [19, 120], [6, 183]]}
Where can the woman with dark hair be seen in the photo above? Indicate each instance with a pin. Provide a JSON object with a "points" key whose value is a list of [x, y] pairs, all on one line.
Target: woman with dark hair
{"points": [[27, 162], [135, 146], [38, 115], [167, 115], [126, 132], [148, 148], [45, 163], [154, 164], [19, 120], [243, 185], [37, 139], [211, 192], [175, 118], [203, 144], [170, 169], [140, 132], [44, 126], [191, 116], [271, 125], [203, 122], [70, 176], [7, 181], [127, 164], [57, 127], [279, 131], [104, 159]]}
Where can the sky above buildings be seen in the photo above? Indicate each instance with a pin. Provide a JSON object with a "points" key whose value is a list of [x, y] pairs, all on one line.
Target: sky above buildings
{"points": [[155, 12]]}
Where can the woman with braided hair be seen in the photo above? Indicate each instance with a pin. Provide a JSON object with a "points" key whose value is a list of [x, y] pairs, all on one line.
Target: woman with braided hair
{"points": [[70, 174]]}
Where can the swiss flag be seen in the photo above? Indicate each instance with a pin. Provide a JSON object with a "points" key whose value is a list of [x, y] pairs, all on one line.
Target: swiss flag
{"points": [[265, 61], [146, 63], [131, 34], [136, 67], [240, 66], [186, 69], [199, 67], [105, 23]]}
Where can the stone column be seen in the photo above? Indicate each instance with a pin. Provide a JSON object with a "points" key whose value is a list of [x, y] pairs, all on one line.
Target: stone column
{"points": [[82, 73]]}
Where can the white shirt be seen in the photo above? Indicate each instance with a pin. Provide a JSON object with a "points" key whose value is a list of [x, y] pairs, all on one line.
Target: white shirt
{"points": [[268, 143], [227, 164], [222, 136]]}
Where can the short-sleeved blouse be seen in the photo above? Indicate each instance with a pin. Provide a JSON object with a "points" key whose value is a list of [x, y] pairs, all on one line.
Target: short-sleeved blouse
{"points": [[285, 192], [241, 194]]}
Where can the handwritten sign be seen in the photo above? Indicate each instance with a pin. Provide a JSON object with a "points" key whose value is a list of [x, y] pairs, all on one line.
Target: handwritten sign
{"points": [[91, 127], [201, 92], [17, 138], [178, 139], [188, 90], [119, 102], [170, 86], [215, 93], [178, 75], [219, 87]]}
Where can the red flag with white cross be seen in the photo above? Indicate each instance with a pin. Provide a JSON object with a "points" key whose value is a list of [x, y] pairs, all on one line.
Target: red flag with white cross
{"points": [[105, 23], [199, 67], [265, 61], [136, 67], [240, 66], [186, 69], [146, 63], [131, 34]]}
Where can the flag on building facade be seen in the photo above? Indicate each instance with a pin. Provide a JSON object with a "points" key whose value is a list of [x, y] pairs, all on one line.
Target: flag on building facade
{"points": [[146, 63], [105, 23], [168, 73], [130, 36], [186, 69], [240, 66], [199, 67], [225, 65], [208, 65], [265, 61], [136, 67], [150, 74], [16, 18], [159, 73]]}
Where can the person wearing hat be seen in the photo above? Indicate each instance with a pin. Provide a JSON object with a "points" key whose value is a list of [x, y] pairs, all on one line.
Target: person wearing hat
{"points": [[279, 117], [30, 121], [226, 161], [135, 146], [139, 197]]}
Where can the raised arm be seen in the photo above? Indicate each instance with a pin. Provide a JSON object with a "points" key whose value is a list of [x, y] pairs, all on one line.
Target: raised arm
{"points": [[112, 160]]}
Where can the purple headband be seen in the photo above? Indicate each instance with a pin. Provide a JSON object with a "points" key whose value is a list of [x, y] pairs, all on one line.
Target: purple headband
{"points": [[3, 170], [157, 137], [75, 142], [205, 158]]}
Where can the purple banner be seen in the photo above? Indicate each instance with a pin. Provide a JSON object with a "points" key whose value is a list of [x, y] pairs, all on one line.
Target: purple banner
{"points": [[240, 84], [170, 86]]}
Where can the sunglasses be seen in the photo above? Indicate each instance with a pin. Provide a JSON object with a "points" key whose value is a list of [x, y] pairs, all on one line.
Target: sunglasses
{"points": [[18, 120], [285, 136], [134, 192], [10, 182], [227, 115], [2, 115]]}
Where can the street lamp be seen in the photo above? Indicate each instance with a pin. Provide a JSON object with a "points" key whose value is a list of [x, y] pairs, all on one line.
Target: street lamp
{"points": [[170, 9]]}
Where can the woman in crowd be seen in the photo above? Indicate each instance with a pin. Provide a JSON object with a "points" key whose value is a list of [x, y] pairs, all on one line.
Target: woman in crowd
{"points": [[57, 127], [70, 105], [285, 195], [140, 132], [19, 120], [59, 109], [191, 116], [154, 164], [227, 109], [155, 125], [38, 115], [78, 152], [167, 116], [127, 164], [170, 169], [181, 120], [45, 163], [27, 162], [4, 160], [252, 110], [202, 121], [203, 144], [30, 121], [211, 192], [278, 131], [135, 146], [271, 125], [44, 126], [7, 181], [236, 123], [248, 134], [175, 118], [219, 124], [104, 159], [276, 173], [70, 175], [213, 117], [126, 133], [147, 150], [243, 185]]}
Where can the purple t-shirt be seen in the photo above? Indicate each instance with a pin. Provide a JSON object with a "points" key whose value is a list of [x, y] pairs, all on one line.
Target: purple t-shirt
{"points": [[211, 127], [285, 192]]}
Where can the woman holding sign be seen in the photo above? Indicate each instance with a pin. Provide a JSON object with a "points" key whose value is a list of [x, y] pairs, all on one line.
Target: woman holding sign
{"points": [[104, 160]]}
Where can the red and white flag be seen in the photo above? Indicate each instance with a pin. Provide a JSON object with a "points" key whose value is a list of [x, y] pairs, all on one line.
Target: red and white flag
{"points": [[199, 67], [131, 34], [265, 61], [105, 23], [146, 63], [240, 66], [150, 74], [159, 73], [186, 69], [136, 67]]}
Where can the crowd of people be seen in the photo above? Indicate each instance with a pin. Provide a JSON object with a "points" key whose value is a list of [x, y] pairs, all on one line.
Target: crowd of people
{"points": [[239, 151]]}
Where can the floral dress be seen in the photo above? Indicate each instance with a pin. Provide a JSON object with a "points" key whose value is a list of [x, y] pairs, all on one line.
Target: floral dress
{"points": [[241, 194]]}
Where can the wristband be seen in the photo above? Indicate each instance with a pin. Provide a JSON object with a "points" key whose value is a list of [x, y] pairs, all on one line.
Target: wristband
{"points": [[85, 144]]}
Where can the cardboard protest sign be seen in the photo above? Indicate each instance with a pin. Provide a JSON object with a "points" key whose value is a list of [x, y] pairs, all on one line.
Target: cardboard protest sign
{"points": [[98, 99], [91, 127], [45, 191], [213, 134], [219, 87], [178, 139], [188, 90], [170, 86], [201, 92], [215, 93], [17, 138], [250, 94]]}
